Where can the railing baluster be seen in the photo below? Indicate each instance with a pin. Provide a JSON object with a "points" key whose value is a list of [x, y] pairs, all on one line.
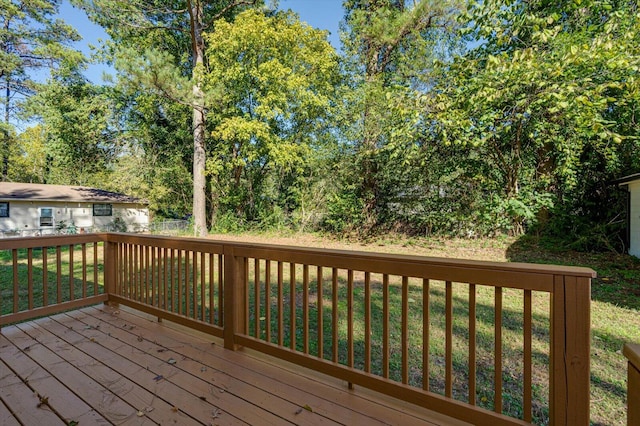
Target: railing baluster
{"points": [[334, 314], [135, 270], [472, 344], [497, 406], [280, 306], [119, 269], [320, 322], [405, 330], [305, 308], [385, 326], [172, 279], [59, 274], [16, 287], [367, 322], [350, 360], [246, 296], [220, 290], [211, 286], [147, 274], [131, 283], [153, 276], [203, 295], [267, 300], [187, 290], [292, 305], [30, 277], [425, 333], [527, 385], [71, 274], [95, 269], [179, 281], [448, 355], [194, 284], [256, 297], [166, 278], [45, 277], [84, 270]]}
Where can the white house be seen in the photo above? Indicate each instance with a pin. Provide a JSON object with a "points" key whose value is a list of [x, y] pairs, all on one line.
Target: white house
{"points": [[632, 183], [32, 209]]}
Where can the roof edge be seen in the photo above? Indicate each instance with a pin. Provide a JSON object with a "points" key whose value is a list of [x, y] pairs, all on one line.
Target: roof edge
{"points": [[626, 179]]}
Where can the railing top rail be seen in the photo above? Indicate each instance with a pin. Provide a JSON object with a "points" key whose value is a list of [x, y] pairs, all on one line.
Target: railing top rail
{"points": [[312, 256], [48, 241], [632, 353], [275, 252], [195, 244]]}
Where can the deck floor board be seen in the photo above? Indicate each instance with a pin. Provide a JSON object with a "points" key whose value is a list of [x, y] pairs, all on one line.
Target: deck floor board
{"points": [[101, 365]]}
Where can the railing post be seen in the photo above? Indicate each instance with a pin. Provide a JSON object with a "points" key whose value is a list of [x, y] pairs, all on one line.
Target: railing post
{"points": [[632, 352], [570, 351], [234, 296], [110, 267]]}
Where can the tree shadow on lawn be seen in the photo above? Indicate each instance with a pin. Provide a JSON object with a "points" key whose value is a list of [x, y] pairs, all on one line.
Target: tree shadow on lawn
{"points": [[618, 281]]}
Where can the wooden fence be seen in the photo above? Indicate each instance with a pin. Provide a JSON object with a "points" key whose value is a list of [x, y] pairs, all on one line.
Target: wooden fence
{"points": [[487, 343]]}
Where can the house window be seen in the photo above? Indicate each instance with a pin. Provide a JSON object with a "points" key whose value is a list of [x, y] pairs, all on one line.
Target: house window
{"points": [[46, 216], [102, 210], [4, 209]]}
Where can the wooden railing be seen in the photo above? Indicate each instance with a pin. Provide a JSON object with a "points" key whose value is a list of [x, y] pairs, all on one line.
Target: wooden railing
{"points": [[632, 353], [487, 343], [40, 276]]}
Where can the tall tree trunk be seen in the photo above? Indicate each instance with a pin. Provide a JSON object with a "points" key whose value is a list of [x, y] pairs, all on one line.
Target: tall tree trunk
{"points": [[199, 124]]}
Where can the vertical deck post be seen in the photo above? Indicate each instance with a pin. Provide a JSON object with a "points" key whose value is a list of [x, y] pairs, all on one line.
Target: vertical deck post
{"points": [[110, 264], [570, 351], [632, 352], [234, 296]]}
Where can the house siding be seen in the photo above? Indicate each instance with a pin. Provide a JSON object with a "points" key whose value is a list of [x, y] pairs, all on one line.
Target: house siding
{"points": [[634, 220], [24, 216]]}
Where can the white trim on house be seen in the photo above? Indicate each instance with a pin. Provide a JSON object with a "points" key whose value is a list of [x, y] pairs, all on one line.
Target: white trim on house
{"points": [[632, 183]]}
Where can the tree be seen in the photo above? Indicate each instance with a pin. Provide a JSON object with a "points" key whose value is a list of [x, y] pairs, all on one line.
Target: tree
{"points": [[541, 99], [390, 43], [76, 122], [163, 31], [31, 39], [28, 162], [272, 78]]}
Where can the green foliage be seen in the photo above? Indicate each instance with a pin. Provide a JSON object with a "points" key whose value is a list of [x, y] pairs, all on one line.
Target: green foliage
{"points": [[271, 79], [31, 39], [389, 45], [75, 118], [28, 160], [438, 119], [541, 100]]}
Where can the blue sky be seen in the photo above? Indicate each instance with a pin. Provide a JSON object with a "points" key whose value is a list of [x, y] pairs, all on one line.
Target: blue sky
{"points": [[322, 14]]}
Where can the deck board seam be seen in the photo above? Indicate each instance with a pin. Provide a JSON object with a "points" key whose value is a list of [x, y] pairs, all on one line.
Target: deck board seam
{"points": [[411, 417], [140, 367], [144, 353], [255, 372]]}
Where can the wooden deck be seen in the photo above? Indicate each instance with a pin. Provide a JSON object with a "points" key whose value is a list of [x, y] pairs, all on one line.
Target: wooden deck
{"points": [[101, 365]]}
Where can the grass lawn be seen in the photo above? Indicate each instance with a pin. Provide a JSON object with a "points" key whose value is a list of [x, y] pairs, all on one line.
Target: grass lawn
{"points": [[615, 309]]}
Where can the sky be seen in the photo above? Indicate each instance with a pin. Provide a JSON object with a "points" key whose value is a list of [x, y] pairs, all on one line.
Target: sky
{"points": [[322, 14]]}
